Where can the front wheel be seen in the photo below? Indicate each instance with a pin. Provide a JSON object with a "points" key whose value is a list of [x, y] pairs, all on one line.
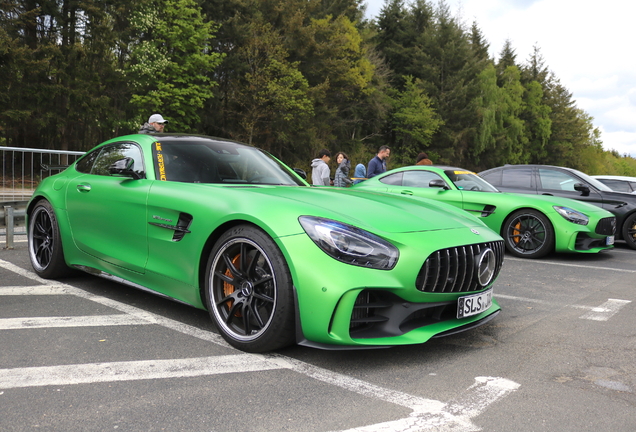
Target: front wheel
{"points": [[249, 291], [45, 243], [528, 234], [629, 230]]}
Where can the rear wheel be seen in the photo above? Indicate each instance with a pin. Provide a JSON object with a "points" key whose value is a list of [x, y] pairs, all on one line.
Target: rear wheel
{"points": [[249, 291], [528, 234], [45, 243], [629, 230]]}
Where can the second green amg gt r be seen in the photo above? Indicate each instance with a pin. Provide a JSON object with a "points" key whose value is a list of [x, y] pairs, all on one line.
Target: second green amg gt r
{"points": [[532, 226]]}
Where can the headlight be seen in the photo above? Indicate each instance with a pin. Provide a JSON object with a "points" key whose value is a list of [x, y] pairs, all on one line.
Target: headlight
{"points": [[349, 244], [572, 215]]}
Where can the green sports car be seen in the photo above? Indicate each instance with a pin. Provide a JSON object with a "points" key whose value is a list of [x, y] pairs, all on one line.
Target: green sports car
{"points": [[226, 227], [532, 226]]}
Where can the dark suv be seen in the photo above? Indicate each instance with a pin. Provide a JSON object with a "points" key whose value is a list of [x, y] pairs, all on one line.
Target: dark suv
{"points": [[568, 183]]}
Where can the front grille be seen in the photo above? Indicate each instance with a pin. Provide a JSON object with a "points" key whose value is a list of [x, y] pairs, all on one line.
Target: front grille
{"points": [[606, 226], [455, 269]]}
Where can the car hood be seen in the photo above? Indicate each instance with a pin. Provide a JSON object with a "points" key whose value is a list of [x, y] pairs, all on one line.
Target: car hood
{"points": [[371, 210]]}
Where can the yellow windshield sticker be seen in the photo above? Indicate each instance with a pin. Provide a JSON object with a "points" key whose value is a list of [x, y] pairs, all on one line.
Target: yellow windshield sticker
{"points": [[160, 162], [464, 172]]}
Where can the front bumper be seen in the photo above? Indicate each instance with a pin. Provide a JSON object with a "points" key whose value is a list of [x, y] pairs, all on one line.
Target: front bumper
{"points": [[347, 306], [586, 241]]}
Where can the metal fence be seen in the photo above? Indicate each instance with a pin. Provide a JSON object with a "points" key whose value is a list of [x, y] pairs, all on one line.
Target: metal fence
{"points": [[24, 168], [21, 170]]}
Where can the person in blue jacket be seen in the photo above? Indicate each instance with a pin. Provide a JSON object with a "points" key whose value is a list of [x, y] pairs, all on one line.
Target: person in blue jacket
{"points": [[360, 173], [377, 165]]}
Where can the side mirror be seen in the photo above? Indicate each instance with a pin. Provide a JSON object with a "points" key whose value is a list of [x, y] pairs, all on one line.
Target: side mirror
{"points": [[301, 173], [438, 183], [124, 167], [584, 189]]}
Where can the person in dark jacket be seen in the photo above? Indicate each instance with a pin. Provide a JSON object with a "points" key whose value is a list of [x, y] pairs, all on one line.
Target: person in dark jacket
{"points": [[377, 165], [342, 172], [155, 124]]}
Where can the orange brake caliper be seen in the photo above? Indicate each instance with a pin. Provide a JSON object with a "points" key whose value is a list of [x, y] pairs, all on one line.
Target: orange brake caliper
{"points": [[517, 233], [228, 288]]}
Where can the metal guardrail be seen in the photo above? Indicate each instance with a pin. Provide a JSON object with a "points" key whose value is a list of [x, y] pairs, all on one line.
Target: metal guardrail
{"points": [[21, 169], [12, 215]]}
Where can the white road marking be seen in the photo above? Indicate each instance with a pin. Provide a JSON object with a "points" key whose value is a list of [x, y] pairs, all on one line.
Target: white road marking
{"points": [[52, 286], [130, 371], [605, 311], [358, 386], [427, 413], [452, 417], [33, 290], [596, 313], [70, 321], [572, 265]]}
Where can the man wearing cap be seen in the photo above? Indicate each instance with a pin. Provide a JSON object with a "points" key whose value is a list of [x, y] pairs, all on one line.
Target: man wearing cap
{"points": [[155, 124]]}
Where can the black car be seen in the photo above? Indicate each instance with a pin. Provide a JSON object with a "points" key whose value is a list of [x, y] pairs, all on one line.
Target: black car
{"points": [[568, 183]]}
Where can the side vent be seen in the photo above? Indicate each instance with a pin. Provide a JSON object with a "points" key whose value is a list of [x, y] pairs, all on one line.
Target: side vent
{"points": [[183, 224]]}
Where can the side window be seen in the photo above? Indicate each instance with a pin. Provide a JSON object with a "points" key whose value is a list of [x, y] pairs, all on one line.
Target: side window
{"points": [[618, 185], [517, 178], [392, 179], [492, 177], [633, 185], [85, 164], [115, 152], [557, 180], [419, 178]]}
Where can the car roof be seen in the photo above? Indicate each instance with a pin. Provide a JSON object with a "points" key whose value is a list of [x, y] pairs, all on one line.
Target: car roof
{"points": [[613, 177], [531, 165]]}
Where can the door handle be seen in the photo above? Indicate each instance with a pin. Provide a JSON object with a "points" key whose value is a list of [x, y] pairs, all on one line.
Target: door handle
{"points": [[83, 187], [406, 192]]}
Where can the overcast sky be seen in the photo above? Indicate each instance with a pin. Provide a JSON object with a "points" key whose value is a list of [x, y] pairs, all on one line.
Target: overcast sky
{"points": [[589, 45]]}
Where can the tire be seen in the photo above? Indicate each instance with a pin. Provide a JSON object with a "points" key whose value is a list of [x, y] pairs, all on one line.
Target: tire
{"points": [[528, 234], [45, 243], [629, 230], [248, 290]]}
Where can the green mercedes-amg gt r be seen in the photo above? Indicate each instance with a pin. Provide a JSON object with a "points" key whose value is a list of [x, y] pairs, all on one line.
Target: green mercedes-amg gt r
{"points": [[532, 225], [227, 227]]}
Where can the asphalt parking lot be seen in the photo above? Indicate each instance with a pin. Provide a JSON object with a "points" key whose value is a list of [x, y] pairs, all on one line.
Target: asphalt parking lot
{"points": [[88, 354]]}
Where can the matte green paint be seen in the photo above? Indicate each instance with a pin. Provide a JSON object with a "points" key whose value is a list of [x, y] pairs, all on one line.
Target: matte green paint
{"points": [[505, 203], [111, 231]]}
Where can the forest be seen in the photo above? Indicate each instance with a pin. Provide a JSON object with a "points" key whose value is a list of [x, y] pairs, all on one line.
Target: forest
{"points": [[291, 77]]}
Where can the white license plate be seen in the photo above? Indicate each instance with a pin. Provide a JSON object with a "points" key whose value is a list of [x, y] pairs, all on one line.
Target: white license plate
{"points": [[609, 240], [474, 304]]}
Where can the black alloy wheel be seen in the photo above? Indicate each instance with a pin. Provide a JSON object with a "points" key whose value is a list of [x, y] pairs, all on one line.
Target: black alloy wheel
{"points": [[629, 230], [528, 234], [45, 243], [249, 291]]}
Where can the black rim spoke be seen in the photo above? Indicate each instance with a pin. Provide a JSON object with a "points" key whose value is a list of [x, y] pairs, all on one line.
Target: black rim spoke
{"points": [[257, 316], [225, 278]]}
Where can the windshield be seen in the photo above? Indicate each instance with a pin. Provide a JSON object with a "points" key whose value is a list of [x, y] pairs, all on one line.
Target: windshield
{"points": [[467, 180], [209, 161]]}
